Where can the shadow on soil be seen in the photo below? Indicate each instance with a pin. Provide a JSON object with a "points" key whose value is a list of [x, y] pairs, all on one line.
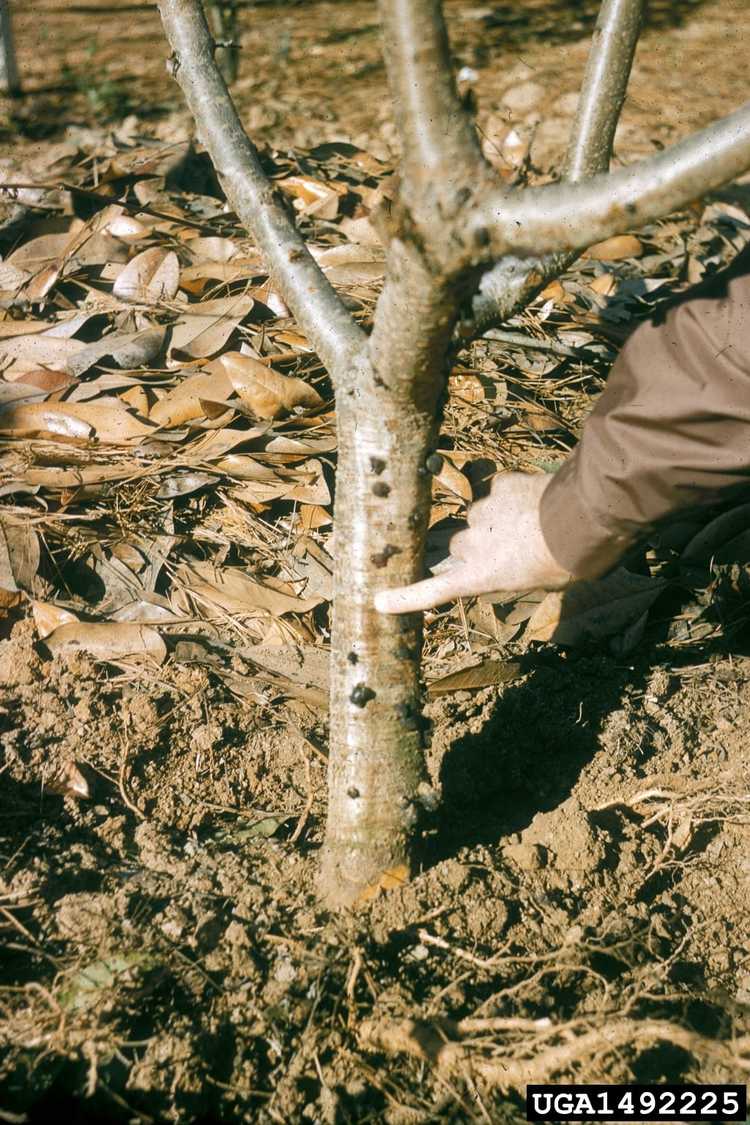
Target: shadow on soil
{"points": [[530, 751]]}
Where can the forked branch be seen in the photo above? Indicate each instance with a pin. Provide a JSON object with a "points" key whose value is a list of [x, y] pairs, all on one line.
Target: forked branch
{"points": [[513, 282], [316, 306], [572, 216], [604, 86]]}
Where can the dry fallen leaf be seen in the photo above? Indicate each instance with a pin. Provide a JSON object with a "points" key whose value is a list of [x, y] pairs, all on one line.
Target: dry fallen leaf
{"points": [[204, 328], [612, 249], [107, 420], [152, 276], [267, 393], [487, 674], [184, 402], [107, 640], [589, 611]]}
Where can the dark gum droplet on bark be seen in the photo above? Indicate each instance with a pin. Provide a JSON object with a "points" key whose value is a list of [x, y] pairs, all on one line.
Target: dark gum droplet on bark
{"points": [[361, 695], [380, 488]]}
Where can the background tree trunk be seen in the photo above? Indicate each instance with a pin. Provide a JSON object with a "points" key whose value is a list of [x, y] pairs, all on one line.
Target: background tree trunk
{"points": [[9, 80]]}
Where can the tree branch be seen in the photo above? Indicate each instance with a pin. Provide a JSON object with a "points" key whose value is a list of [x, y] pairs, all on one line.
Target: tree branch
{"points": [[436, 133], [316, 306], [572, 216], [604, 86], [513, 282]]}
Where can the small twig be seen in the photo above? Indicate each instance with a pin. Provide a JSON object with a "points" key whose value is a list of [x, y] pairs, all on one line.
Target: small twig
{"points": [[302, 820], [519, 340]]}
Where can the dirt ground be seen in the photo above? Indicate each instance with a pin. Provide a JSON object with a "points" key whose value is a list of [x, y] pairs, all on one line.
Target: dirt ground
{"points": [[583, 911]]}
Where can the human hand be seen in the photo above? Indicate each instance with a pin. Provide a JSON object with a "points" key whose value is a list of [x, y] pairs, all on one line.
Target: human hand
{"points": [[503, 549]]}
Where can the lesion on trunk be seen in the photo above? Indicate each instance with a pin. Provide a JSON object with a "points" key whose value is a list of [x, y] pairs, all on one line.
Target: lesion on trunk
{"points": [[377, 773]]}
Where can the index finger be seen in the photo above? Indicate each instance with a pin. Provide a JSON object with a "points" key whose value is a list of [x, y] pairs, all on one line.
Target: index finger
{"points": [[426, 594]]}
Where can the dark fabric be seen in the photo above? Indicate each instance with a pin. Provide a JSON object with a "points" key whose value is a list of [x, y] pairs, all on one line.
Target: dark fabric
{"points": [[671, 430]]}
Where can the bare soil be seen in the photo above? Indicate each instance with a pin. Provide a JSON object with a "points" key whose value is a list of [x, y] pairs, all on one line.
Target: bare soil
{"points": [[586, 876]]}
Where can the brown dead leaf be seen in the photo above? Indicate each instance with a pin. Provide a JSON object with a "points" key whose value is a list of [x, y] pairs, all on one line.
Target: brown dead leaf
{"points": [[204, 328], [107, 419], [107, 640], [19, 554], [390, 879], [590, 611], [48, 617], [452, 480], [183, 402], [68, 781], [268, 393], [151, 277], [487, 674], [613, 249]]}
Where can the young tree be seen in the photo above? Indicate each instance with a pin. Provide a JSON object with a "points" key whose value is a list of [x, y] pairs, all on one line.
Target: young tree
{"points": [[458, 238], [9, 81]]}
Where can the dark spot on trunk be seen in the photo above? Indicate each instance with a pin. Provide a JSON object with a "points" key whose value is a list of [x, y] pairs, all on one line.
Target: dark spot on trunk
{"points": [[481, 236], [361, 695], [381, 559], [434, 463], [352, 658], [352, 792], [415, 519], [409, 715], [377, 465], [380, 488]]}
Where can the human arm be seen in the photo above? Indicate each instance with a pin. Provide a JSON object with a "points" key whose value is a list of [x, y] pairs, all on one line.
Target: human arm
{"points": [[671, 430]]}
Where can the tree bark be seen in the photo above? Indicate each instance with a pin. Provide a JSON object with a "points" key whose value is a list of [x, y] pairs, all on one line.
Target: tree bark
{"points": [[388, 428]]}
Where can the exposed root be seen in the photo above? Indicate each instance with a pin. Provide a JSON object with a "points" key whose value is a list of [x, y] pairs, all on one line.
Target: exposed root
{"points": [[444, 1046]]}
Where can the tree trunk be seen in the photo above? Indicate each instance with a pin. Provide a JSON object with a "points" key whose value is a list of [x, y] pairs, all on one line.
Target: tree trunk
{"points": [[388, 425], [9, 80], [376, 762], [222, 19]]}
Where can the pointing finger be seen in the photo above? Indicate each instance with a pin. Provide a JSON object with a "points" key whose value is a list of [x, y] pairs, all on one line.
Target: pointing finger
{"points": [[454, 583]]}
